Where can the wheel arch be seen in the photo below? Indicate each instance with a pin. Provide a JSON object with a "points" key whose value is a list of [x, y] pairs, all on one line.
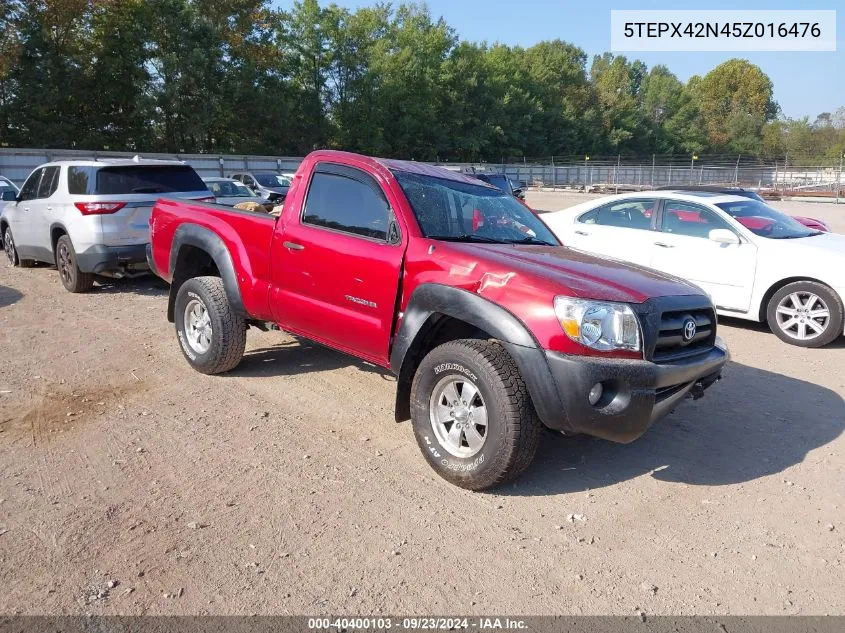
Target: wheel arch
{"points": [[437, 314], [56, 231], [767, 296], [197, 251]]}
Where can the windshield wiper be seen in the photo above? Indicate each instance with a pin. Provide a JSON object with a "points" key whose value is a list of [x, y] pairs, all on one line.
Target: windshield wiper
{"points": [[531, 240], [795, 237], [149, 190], [465, 237]]}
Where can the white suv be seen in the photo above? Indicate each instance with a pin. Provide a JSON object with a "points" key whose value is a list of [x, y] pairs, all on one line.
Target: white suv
{"points": [[92, 217]]}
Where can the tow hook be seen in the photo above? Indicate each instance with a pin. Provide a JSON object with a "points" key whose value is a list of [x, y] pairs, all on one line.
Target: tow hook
{"points": [[698, 388]]}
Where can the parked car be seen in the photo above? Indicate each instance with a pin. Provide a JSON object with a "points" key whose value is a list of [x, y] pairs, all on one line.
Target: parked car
{"points": [[8, 193], [813, 223], [756, 262], [269, 185], [230, 192], [492, 328], [8, 190], [91, 217]]}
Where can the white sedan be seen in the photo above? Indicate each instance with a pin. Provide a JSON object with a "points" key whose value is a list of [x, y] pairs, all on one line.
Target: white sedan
{"points": [[755, 262]]}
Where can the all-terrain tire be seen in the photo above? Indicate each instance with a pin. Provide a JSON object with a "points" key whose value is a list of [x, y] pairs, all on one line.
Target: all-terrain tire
{"points": [[826, 298], [12, 251], [227, 337], [512, 430], [73, 279]]}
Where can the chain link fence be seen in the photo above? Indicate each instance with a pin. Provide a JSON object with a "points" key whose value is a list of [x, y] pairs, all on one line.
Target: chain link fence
{"points": [[783, 176], [786, 176]]}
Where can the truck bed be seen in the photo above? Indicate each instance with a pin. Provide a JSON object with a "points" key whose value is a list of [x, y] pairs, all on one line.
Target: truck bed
{"points": [[245, 234]]}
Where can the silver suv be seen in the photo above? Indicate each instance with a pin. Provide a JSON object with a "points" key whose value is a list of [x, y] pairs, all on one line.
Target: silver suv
{"points": [[92, 217]]}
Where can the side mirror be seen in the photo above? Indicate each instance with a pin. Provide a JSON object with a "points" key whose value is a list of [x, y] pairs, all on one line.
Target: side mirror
{"points": [[519, 193], [9, 196], [723, 236]]}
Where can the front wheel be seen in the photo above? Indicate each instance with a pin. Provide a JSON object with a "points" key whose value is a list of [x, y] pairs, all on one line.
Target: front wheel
{"points": [[211, 334], [806, 314], [472, 415], [12, 252]]}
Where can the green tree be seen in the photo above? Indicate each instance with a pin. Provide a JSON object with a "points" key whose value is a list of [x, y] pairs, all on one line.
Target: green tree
{"points": [[118, 111], [735, 100], [48, 75]]}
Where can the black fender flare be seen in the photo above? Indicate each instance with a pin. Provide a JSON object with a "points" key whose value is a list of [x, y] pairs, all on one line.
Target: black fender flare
{"points": [[430, 301], [208, 241]]}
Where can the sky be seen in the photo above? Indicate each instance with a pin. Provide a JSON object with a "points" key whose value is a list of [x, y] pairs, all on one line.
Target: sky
{"points": [[805, 83]]}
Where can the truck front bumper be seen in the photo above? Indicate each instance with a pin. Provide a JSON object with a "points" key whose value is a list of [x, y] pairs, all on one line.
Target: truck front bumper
{"points": [[635, 393]]}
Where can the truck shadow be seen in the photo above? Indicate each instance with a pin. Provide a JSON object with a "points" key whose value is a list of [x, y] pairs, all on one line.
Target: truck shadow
{"points": [[8, 296], [763, 328], [753, 424], [299, 356], [145, 285]]}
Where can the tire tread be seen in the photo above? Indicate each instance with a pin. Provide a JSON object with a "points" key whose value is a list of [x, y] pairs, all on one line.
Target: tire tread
{"points": [[232, 337], [522, 426]]}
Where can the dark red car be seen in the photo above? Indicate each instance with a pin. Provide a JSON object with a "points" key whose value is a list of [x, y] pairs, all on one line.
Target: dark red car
{"points": [[492, 329]]}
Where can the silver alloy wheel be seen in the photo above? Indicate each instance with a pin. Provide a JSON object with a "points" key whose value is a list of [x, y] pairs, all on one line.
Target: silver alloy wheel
{"points": [[803, 315], [197, 326], [458, 416], [65, 264], [9, 246]]}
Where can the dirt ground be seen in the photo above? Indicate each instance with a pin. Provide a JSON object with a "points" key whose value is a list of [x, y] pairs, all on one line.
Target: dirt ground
{"points": [[131, 484]]}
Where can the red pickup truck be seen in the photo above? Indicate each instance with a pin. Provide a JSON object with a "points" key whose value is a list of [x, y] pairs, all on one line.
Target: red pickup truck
{"points": [[492, 328]]}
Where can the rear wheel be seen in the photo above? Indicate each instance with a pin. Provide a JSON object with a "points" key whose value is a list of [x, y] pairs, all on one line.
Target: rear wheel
{"points": [[806, 314], [212, 336], [12, 252], [73, 279], [472, 415]]}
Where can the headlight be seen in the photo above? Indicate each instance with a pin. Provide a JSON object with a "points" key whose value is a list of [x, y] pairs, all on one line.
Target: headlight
{"points": [[600, 325]]}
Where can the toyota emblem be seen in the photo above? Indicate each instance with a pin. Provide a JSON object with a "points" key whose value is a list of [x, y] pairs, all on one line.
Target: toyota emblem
{"points": [[689, 330]]}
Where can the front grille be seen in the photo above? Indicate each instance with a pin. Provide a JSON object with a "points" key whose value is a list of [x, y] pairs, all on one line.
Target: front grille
{"points": [[663, 320], [671, 343]]}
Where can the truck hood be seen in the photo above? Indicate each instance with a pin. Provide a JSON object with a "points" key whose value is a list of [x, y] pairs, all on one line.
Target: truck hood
{"points": [[578, 273]]}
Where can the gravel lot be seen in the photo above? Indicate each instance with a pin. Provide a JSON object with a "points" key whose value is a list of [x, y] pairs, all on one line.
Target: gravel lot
{"points": [[131, 484]]}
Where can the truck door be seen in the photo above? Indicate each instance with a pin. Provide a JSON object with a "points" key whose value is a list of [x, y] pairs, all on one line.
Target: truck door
{"points": [[336, 267]]}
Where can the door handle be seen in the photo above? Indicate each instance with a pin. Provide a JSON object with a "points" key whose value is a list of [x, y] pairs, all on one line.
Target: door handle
{"points": [[664, 245], [584, 233], [25, 209], [293, 246], [49, 208]]}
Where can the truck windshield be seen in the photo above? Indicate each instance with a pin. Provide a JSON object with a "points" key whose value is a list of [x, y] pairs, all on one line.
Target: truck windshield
{"points": [[458, 211], [499, 181], [763, 220]]}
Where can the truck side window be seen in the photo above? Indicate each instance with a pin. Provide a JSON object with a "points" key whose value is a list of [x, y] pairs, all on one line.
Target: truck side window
{"points": [[345, 204]]}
